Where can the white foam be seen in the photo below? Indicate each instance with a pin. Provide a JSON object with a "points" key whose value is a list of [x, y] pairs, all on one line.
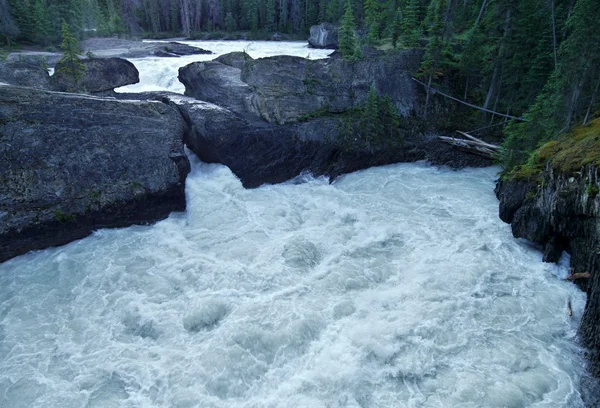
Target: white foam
{"points": [[160, 74], [393, 287]]}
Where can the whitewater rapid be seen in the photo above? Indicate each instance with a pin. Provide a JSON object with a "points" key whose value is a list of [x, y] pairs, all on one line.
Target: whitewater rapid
{"points": [[160, 74], [396, 286]]}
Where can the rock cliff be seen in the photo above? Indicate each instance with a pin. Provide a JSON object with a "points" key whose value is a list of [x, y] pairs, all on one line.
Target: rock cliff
{"points": [[74, 163], [284, 89], [558, 206]]}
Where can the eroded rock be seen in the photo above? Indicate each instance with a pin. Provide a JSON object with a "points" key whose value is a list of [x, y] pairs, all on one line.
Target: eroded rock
{"points": [[74, 163]]}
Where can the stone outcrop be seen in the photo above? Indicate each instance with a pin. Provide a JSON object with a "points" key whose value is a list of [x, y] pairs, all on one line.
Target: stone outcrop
{"points": [[25, 74], [562, 212], [101, 75], [74, 163], [324, 35], [284, 89], [216, 83], [258, 152]]}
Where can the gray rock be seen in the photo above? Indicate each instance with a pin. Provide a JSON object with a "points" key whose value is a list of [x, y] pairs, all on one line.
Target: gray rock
{"points": [[216, 83], [562, 213], [324, 35], [284, 89], [74, 163], [25, 74], [235, 59], [101, 75], [175, 49], [35, 57], [259, 152]]}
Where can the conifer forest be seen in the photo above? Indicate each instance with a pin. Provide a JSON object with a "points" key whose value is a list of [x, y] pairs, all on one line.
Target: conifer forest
{"points": [[534, 60]]}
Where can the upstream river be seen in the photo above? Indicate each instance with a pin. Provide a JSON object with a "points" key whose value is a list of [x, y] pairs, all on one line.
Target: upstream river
{"points": [[396, 286]]}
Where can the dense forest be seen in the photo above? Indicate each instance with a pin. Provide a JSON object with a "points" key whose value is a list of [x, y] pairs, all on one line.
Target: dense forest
{"points": [[537, 60]]}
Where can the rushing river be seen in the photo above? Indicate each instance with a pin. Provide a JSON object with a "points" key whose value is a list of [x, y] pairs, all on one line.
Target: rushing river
{"points": [[160, 74], [397, 286]]}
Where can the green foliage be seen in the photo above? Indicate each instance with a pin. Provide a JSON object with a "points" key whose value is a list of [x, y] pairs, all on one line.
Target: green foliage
{"points": [[568, 153], [559, 103], [69, 64], [347, 37], [372, 14], [411, 29], [60, 216], [230, 24], [375, 125]]}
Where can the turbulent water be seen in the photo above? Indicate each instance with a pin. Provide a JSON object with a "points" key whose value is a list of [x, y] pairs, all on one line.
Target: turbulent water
{"points": [[397, 286], [160, 74], [393, 287]]}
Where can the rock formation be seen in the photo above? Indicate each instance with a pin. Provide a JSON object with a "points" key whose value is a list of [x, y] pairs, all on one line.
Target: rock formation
{"points": [[75, 163], [284, 89], [32, 75], [324, 35], [101, 75], [562, 212]]}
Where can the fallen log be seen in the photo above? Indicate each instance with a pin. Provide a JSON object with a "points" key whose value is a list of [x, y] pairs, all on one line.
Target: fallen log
{"points": [[481, 108], [579, 275]]}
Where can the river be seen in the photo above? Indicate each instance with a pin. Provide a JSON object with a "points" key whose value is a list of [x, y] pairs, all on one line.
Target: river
{"points": [[396, 286]]}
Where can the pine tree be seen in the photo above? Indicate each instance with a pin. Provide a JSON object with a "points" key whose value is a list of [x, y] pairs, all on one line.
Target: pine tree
{"points": [[41, 22], [396, 26], [370, 124], [271, 13], [411, 32], [230, 24], [559, 103], [69, 64], [347, 38], [371, 8]]}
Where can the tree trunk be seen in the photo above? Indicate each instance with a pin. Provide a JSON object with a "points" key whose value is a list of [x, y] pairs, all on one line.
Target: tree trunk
{"points": [[591, 105], [554, 34], [481, 11]]}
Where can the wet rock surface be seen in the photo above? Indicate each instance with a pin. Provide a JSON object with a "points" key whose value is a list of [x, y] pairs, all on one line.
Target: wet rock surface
{"points": [[75, 163], [562, 212]]}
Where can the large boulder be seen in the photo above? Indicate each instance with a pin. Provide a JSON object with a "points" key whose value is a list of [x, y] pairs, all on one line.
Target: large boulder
{"points": [[324, 35], [101, 75], [259, 152], [32, 75], [73, 163], [285, 89], [116, 47], [217, 83], [175, 49]]}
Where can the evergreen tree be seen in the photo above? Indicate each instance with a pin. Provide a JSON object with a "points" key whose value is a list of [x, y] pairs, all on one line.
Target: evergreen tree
{"points": [[69, 64], [372, 20], [230, 24], [347, 38], [396, 26], [271, 14], [41, 22], [559, 103], [411, 32], [369, 125]]}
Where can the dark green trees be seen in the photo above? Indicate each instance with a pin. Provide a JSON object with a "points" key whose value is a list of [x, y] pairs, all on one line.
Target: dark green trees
{"points": [[374, 126], [570, 92], [69, 64], [348, 45]]}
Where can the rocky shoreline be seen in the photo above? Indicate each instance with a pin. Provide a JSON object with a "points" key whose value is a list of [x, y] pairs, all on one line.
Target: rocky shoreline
{"points": [[561, 212], [77, 162]]}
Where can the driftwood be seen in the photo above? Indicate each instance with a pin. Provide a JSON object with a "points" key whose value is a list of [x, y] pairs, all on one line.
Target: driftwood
{"points": [[481, 108], [569, 308], [472, 145], [579, 275]]}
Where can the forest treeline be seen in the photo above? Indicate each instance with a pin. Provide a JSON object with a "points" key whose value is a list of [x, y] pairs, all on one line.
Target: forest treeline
{"points": [[534, 59]]}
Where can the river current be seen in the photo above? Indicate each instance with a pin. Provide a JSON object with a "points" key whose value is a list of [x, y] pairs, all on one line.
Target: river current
{"points": [[396, 286]]}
